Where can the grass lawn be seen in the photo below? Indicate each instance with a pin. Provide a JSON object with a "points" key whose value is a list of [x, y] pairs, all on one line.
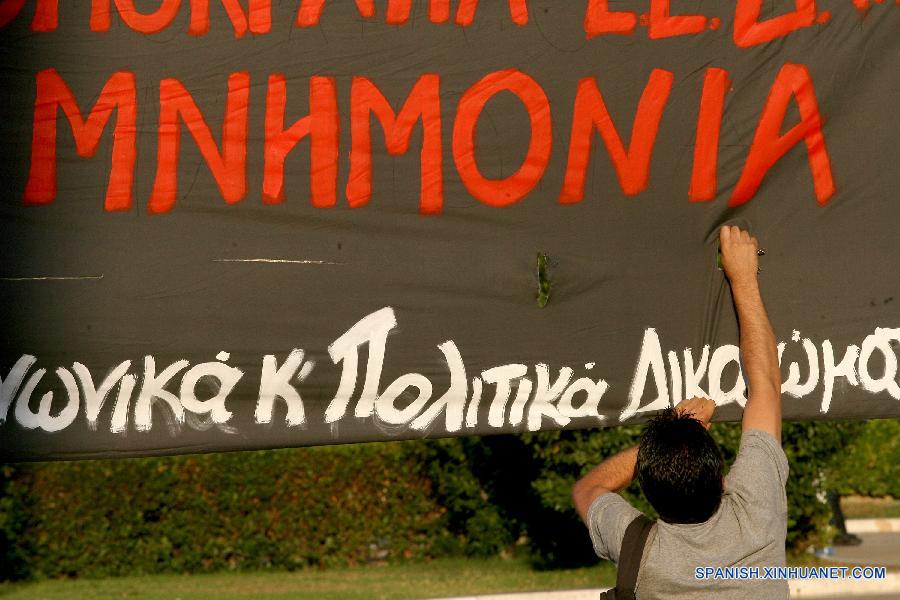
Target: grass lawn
{"points": [[432, 579], [444, 577]]}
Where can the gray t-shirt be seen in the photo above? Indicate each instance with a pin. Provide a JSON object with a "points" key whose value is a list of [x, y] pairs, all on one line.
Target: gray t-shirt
{"points": [[748, 530]]}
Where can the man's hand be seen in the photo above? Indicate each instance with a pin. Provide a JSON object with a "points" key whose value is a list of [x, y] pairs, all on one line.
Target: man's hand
{"points": [[739, 255], [701, 409]]}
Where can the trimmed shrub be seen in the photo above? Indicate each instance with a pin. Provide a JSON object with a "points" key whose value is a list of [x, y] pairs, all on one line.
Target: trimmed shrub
{"points": [[14, 502], [251, 510]]}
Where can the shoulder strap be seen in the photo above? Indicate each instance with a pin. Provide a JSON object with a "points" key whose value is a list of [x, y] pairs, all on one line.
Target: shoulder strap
{"points": [[630, 556]]}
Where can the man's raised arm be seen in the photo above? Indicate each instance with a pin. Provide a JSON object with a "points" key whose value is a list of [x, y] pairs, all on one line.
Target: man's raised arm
{"points": [[612, 475], [758, 350]]}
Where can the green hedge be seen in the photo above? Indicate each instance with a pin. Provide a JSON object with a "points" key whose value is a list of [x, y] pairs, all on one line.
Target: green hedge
{"points": [[250, 510]]}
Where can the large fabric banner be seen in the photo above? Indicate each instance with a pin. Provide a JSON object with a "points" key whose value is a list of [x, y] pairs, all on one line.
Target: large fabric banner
{"points": [[237, 224]]}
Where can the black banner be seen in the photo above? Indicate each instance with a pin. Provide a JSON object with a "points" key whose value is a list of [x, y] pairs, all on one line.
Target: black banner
{"points": [[247, 224]]}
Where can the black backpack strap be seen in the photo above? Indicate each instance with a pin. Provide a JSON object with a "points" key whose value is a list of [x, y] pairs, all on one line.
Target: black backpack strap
{"points": [[630, 559]]}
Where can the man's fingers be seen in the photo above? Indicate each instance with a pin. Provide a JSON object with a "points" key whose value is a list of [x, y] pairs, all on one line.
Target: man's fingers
{"points": [[694, 402], [734, 234], [686, 406], [699, 408]]}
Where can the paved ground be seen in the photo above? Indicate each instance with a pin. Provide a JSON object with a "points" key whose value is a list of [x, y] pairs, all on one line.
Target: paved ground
{"points": [[878, 597]]}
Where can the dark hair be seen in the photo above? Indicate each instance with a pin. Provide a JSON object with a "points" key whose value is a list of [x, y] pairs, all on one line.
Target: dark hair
{"points": [[680, 466]]}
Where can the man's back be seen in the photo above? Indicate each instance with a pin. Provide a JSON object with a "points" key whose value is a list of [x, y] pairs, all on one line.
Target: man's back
{"points": [[748, 530]]}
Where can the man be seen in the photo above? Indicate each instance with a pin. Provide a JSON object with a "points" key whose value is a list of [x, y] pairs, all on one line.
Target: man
{"points": [[705, 520]]}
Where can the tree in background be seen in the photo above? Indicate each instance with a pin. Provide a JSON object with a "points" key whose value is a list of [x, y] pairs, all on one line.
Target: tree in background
{"points": [[871, 464]]}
